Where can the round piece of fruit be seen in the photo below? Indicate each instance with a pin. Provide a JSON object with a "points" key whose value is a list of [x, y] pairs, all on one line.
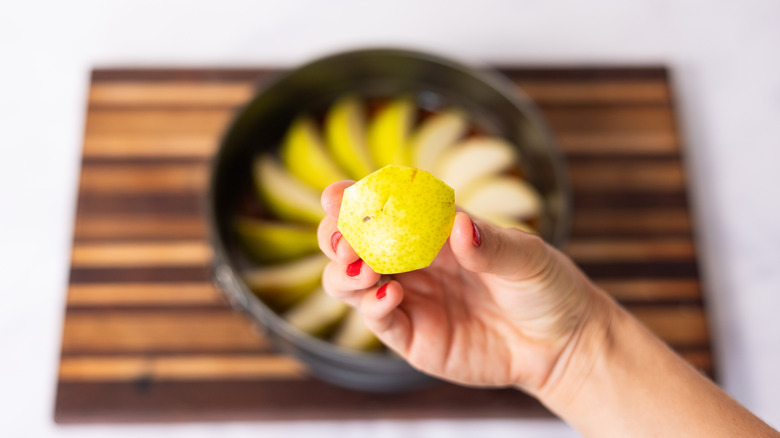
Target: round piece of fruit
{"points": [[398, 218]]}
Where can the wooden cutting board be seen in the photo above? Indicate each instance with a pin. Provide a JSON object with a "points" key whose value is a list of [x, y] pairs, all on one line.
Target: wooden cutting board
{"points": [[147, 337]]}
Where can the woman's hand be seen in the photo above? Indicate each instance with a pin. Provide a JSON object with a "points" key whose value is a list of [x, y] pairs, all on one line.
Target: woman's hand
{"points": [[497, 307]]}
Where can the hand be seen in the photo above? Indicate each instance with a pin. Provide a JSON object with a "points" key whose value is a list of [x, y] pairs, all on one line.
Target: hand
{"points": [[497, 306]]}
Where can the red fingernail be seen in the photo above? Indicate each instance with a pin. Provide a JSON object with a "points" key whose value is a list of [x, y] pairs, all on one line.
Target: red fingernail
{"points": [[477, 236], [382, 291], [353, 269], [334, 240]]}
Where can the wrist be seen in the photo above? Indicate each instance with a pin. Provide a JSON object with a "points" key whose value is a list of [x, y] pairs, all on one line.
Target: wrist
{"points": [[588, 346]]}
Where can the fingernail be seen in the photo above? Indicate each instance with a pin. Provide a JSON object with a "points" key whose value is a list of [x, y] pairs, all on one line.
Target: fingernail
{"points": [[353, 269], [382, 291], [476, 237], [334, 240]]}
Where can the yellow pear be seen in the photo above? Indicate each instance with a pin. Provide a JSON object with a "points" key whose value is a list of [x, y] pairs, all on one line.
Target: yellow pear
{"points": [[345, 132], [283, 285], [397, 219], [284, 194], [354, 334], [501, 195], [304, 155], [472, 160], [388, 132], [317, 314], [269, 241], [434, 136]]}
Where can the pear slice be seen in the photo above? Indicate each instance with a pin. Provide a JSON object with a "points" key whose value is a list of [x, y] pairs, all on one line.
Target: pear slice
{"points": [[304, 155], [317, 314], [354, 334], [268, 241], [283, 285], [474, 159], [284, 194], [389, 130], [510, 222], [501, 195], [434, 136], [345, 132]]}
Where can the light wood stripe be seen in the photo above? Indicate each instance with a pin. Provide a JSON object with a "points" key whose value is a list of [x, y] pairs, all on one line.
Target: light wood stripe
{"points": [[205, 93], [120, 331], [170, 93], [214, 121], [652, 289], [683, 325], [631, 250], [639, 175], [596, 91], [599, 143], [134, 145], [143, 294], [143, 178], [162, 368], [610, 119], [176, 253], [119, 227], [701, 360], [637, 221], [158, 121]]}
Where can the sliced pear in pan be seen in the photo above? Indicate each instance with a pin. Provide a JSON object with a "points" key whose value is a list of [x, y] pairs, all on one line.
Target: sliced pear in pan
{"points": [[304, 155], [346, 140], [434, 135], [474, 159], [269, 241], [388, 132], [318, 314], [285, 195], [354, 334], [283, 285], [500, 195]]}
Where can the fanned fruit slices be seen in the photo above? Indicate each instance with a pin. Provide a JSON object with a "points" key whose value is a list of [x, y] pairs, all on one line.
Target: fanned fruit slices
{"points": [[351, 139]]}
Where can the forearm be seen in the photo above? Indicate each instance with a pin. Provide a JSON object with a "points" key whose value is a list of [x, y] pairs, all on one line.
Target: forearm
{"points": [[618, 379]]}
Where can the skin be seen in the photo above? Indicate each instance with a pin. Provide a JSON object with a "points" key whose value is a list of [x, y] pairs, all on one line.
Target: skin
{"points": [[506, 309]]}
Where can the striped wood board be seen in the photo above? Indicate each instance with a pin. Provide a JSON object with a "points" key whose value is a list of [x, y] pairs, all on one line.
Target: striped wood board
{"points": [[147, 337]]}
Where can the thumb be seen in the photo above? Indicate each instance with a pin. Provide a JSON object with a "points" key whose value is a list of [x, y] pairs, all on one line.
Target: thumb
{"points": [[480, 246]]}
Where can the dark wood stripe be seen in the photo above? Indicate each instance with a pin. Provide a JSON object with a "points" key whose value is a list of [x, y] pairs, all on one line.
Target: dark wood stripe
{"points": [[683, 269], [149, 401], [628, 200], [546, 73], [157, 274], [184, 74], [615, 73], [619, 159]]}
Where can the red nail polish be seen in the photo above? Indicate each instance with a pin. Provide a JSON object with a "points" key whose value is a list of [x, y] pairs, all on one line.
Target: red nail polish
{"points": [[382, 291], [353, 269], [334, 240], [476, 236]]}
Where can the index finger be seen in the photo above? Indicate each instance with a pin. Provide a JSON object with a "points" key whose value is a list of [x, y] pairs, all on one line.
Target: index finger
{"points": [[331, 197]]}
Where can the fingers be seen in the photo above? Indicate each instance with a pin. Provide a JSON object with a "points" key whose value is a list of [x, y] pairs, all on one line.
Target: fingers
{"points": [[348, 282], [332, 244], [479, 246], [331, 197], [383, 316]]}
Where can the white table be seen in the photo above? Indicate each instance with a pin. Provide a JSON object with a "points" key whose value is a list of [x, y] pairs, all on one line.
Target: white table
{"points": [[726, 71]]}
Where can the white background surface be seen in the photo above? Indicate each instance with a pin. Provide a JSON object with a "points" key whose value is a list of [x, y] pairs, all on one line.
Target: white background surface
{"points": [[724, 57]]}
